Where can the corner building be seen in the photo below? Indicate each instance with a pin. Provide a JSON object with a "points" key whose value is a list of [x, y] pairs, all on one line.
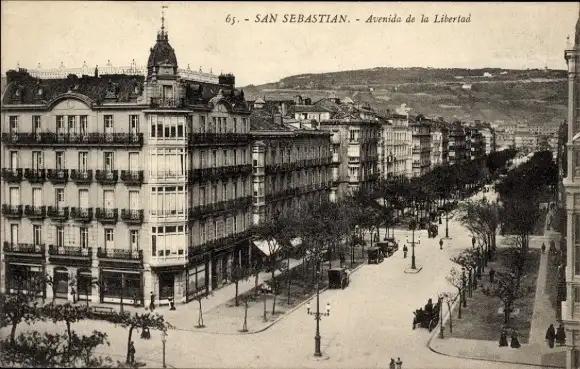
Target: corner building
{"points": [[140, 183]]}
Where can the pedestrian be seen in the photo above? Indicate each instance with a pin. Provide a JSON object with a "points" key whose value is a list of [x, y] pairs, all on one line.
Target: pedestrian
{"points": [[515, 343], [399, 363], [543, 248], [503, 338], [441, 244], [491, 275], [172, 303], [551, 335], [392, 364], [132, 353], [135, 304], [561, 335], [73, 292], [152, 303], [405, 251]]}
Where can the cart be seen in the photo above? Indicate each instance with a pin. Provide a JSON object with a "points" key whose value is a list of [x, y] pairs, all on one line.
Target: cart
{"points": [[338, 278], [388, 248], [375, 255]]}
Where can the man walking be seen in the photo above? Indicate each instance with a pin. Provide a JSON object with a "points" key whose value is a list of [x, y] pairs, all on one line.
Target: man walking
{"points": [[399, 363], [405, 252], [152, 303], [441, 244], [132, 353], [551, 335]]}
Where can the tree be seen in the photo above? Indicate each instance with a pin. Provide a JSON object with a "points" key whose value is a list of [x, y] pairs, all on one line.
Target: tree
{"points": [[16, 309], [481, 218], [246, 300], [137, 321], [449, 298], [199, 298], [455, 278], [65, 313], [49, 280], [505, 288], [239, 273]]}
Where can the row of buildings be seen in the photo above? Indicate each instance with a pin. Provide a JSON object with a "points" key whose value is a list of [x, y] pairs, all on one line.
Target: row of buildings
{"points": [[149, 183], [527, 138]]}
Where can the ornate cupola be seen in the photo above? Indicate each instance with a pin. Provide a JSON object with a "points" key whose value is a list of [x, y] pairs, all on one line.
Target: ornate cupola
{"points": [[162, 60]]}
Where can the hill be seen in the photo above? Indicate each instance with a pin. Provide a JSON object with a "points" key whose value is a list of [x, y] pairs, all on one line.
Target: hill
{"points": [[495, 95]]}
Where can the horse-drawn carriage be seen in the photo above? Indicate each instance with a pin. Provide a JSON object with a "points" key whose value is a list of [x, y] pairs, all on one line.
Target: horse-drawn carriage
{"points": [[432, 231], [375, 255], [388, 247], [427, 317]]}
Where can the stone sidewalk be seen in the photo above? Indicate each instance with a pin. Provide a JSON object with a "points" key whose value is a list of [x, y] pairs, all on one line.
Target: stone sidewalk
{"points": [[536, 352]]}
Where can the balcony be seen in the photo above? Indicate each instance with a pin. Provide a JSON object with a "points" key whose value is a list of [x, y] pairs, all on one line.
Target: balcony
{"points": [[35, 212], [335, 158], [57, 176], [58, 213], [132, 177], [218, 243], [24, 248], [120, 254], [219, 207], [196, 139], [236, 170], [12, 175], [107, 177], [81, 177], [12, 211], [70, 251], [82, 214], [65, 139], [132, 216], [107, 215], [167, 103], [35, 175]]}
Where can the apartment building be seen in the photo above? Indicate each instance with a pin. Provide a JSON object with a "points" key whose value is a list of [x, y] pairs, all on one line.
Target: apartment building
{"points": [[439, 143], [402, 140], [354, 129], [385, 149], [292, 164], [489, 139], [571, 307], [475, 143], [504, 139], [139, 182], [457, 143], [421, 131]]}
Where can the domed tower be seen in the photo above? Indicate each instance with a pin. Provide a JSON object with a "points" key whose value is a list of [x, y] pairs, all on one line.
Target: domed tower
{"points": [[162, 63]]}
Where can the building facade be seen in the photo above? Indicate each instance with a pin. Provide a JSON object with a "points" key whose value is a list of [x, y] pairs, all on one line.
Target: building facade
{"points": [[457, 143], [421, 146], [402, 141], [571, 307], [142, 183]]}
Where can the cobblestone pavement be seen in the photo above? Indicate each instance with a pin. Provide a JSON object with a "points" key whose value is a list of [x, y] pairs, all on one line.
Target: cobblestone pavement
{"points": [[370, 322]]}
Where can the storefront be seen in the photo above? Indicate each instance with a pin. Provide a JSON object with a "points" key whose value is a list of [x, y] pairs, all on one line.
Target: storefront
{"points": [[25, 277], [120, 284], [197, 277], [84, 284], [61, 282]]}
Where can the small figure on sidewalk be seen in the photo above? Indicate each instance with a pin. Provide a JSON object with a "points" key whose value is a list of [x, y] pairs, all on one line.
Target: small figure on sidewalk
{"points": [[342, 258], [491, 275], [405, 249], [399, 363], [441, 244], [73, 292], [392, 364], [515, 343], [152, 303], [561, 335], [145, 333], [503, 338], [551, 335], [543, 248], [135, 303], [132, 353], [172, 303]]}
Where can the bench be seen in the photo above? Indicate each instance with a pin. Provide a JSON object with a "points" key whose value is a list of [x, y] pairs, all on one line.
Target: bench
{"points": [[102, 310]]}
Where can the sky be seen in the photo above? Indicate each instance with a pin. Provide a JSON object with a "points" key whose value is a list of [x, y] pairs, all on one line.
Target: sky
{"points": [[504, 35]]}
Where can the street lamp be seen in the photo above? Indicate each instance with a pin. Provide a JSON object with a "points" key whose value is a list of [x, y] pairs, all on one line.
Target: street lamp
{"points": [[164, 341], [447, 217], [317, 315], [413, 242]]}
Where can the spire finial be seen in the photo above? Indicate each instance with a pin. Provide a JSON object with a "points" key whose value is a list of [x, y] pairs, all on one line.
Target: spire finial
{"points": [[163, 7]]}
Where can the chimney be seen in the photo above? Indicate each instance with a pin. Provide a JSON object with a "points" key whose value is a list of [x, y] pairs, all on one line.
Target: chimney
{"points": [[16, 75]]}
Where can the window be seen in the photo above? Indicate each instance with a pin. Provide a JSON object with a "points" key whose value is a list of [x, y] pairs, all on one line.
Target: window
{"points": [[168, 201], [235, 157], [59, 196], [13, 124], [235, 224], [83, 124], [202, 232], [84, 237], [201, 159], [36, 124], [108, 161], [202, 195], [202, 123], [59, 160], [244, 193], [134, 124], [214, 158], [83, 161], [214, 194], [60, 124], [37, 234], [13, 159], [108, 122], [37, 197], [168, 240], [224, 191], [154, 241], [235, 125], [37, 160], [226, 158], [72, 124], [14, 233], [243, 156], [235, 189], [109, 237], [246, 126], [215, 230], [134, 240], [60, 236]]}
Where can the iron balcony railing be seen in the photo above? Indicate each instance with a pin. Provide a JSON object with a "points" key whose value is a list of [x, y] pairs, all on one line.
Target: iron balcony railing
{"points": [[120, 254], [81, 214], [167, 103], [132, 177], [12, 175], [12, 211], [57, 176], [218, 243], [107, 215], [73, 139], [24, 248], [218, 138], [81, 176], [58, 213], [132, 215], [65, 251], [35, 175], [31, 211], [107, 177], [219, 207], [207, 174]]}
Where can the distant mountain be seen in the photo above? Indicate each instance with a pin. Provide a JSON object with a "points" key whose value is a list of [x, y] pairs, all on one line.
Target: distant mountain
{"points": [[535, 96]]}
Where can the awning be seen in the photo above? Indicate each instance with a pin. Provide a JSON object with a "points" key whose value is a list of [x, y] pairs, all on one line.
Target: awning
{"points": [[267, 247], [295, 242]]}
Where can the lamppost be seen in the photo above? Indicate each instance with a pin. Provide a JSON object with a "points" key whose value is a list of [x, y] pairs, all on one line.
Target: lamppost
{"points": [[264, 291], [413, 225], [164, 341], [317, 315], [463, 286], [441, 317], [447, 217]]}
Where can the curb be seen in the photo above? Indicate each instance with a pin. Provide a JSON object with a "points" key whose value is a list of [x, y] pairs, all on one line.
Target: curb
{"points": [[280, 317], [444, 321]]}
